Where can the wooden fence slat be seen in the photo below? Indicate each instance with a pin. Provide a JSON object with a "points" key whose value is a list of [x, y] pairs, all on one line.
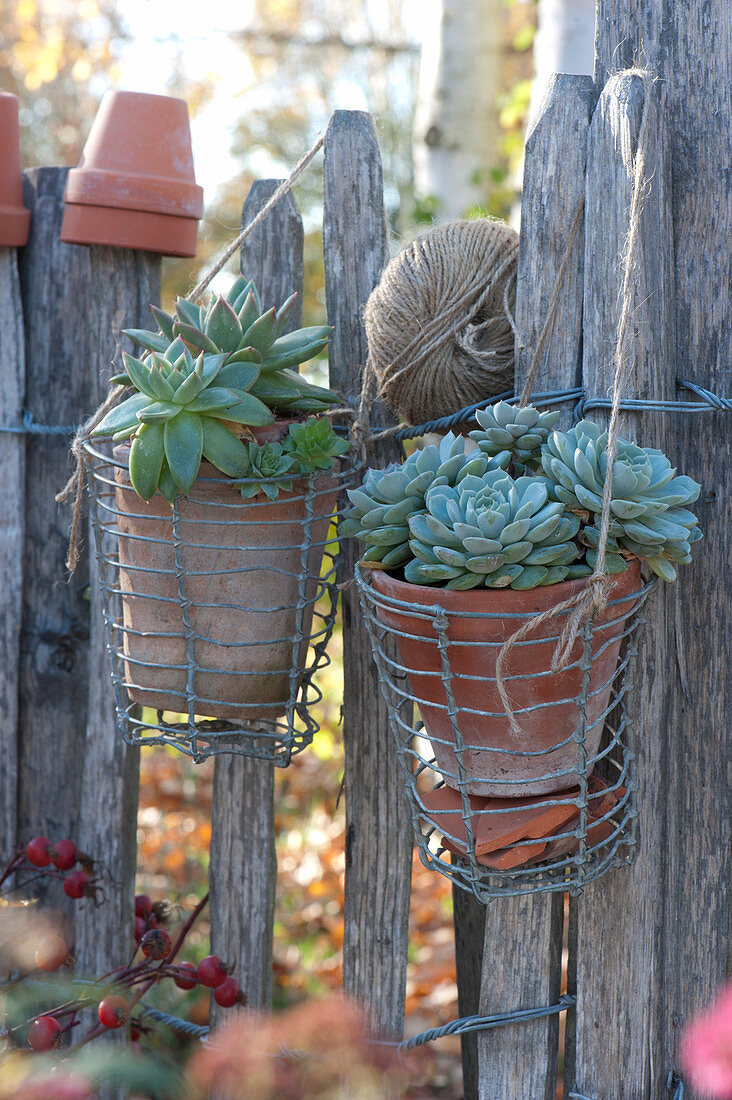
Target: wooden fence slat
{"points": [[378, 830], [123, 284], [54, 654], [12, 520], [620, 920], [469, 920], [523, 936], [243, 865], [689, 48]]}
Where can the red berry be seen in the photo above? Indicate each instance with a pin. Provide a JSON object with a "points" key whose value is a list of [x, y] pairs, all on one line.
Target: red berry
{"points": [[140, 928], [44, 1033], [227, 994], [211, 971], [156, 944], [37, 853], [189, 980], [75, 884], [63, 854], [113, 1011], [143, 906], [51, 953]]}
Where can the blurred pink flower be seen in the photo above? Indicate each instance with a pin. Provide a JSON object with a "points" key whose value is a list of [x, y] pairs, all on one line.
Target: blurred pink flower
{"points": [[56, 1085], [706, 1049]]}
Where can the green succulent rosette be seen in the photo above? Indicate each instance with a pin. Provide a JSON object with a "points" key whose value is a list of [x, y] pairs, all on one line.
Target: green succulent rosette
{"points": [[518, 431], [383, 505], [235, 326], [494, 532], [314, 445], [648, 513], [267, 461], [175, 418]]}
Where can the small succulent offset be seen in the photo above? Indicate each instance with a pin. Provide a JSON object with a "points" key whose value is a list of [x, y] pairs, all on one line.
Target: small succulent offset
{"points": [[314, 445], [648, 514], [520, 431], [525, 509], [267, 461], [493, 531], [383, 505]]}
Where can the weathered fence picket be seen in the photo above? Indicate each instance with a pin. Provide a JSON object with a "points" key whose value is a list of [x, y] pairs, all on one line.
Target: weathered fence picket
{"points": [[243, 861], [12, 521], [378, 830], [523, 936]]}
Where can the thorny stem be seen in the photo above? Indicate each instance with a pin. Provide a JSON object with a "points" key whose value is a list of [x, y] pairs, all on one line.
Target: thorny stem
{"points": [[156, 976]]}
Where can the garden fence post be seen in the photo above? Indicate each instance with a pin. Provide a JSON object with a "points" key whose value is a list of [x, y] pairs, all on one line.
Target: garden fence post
{"points": [[124, 283], [523, 935], [12, 520], [619, 930], [688, 47], [378, 829], [243, 864]]}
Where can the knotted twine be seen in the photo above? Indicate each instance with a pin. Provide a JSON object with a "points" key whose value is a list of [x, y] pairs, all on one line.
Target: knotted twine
{"points": [[438, 322], [592, 600], [75, 485]]}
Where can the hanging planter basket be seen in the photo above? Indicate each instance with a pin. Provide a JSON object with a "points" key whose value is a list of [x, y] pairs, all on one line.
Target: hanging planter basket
{"points": [[500, 812], [218, 610]]}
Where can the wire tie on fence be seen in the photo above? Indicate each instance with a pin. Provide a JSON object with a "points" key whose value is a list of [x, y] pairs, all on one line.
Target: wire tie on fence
{"points": [[466, 1025], [674, 1085], [30, 426]]}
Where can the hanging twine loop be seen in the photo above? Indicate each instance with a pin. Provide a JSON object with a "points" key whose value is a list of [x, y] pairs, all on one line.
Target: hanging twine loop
{"points": [[593, 598], [439, 336]]}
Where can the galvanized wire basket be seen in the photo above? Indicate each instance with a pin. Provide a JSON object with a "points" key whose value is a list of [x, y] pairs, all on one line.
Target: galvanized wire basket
{"points": [[498, 812], [218, 610]]}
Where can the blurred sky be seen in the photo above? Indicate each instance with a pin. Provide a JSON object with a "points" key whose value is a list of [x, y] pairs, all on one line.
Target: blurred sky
{"points": [[192, 38]]}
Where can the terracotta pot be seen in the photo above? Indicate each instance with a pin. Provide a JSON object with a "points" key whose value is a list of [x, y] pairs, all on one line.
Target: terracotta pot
{"points": [[14, 218], [135, 185], [241, 564], [513, 832], [544, 702]]}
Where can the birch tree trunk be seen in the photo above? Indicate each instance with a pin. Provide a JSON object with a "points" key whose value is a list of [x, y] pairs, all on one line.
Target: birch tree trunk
{"points": [[456, 131], [564, 43]]}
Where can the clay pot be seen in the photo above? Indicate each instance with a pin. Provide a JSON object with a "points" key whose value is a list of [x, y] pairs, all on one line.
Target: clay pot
{"points": [[135, 185], [514, 832], [14, 218], [479, 622], [241, 569]]}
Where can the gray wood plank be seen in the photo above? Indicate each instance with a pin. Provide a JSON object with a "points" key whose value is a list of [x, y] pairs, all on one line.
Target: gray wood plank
{"points": [[12, 521], [619, 922], [689, 48], [553, 187], [54, 653], [378, 830], [523, 936], [123, 285], [243, 867], [469, 919]]}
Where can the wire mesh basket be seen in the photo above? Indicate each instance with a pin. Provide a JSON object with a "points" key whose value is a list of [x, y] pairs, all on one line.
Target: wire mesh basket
{"points": [[500, 812], [218, 610]]}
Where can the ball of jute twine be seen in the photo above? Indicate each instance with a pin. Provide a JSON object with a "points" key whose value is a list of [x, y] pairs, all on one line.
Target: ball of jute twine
{"points": [[438, 324]]}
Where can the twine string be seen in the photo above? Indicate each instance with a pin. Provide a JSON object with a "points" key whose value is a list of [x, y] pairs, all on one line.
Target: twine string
{"points": [[248, 229], [593, 598]]}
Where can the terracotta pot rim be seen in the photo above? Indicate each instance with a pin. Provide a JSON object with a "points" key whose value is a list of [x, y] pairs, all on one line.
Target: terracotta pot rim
{"points": [[14, 216], [134, 191], [489, 602], [142, 230]]}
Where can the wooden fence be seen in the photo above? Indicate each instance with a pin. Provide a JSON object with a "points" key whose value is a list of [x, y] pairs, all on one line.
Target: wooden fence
{"points": [[646, 946]]}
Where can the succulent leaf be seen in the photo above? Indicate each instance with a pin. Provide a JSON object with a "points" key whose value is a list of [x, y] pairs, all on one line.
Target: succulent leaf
{"points": [[183, 448], [146, 459]]}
